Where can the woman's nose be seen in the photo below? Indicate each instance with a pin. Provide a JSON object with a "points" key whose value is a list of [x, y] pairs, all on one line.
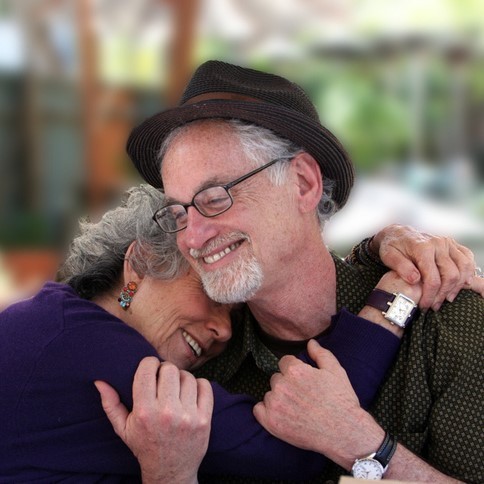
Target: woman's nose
{"points": [[221, 328]]}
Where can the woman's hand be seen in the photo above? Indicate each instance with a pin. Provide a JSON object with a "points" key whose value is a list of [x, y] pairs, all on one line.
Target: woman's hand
{"points": [[440, 263]]}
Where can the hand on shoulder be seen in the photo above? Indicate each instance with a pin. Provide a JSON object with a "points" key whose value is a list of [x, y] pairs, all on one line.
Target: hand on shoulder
{"points": [[442, 264]]}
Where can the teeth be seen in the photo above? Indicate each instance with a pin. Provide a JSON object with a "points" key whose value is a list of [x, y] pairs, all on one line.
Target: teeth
{"points": [[220, 255], [197, 351]]}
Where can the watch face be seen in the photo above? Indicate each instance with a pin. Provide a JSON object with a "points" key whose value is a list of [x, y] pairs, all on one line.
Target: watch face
{"points": [[399, 310], [367, 469]]}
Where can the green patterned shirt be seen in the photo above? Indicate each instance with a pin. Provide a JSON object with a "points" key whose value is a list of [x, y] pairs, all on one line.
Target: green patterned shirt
{"points": [[432, 398]]}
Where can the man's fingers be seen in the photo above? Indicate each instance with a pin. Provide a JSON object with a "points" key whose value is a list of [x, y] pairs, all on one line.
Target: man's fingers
{"points": [[188, 389], [204, 395], [196, 393], [168, 386], [322, 357], [287, 361], [260, 413], [116, 412], [144, 384], [205, 400]]}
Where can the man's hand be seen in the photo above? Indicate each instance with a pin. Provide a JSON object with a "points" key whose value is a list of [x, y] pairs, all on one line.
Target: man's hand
{"points": [[169, 427], [317, 409], [443, 265]]}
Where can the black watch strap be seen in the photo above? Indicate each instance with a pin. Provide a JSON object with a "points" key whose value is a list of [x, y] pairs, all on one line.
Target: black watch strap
{"points": [[379, 299], [397, 308], [386, 450]]}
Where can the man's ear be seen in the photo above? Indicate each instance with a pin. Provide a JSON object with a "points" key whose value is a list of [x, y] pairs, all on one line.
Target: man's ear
{"points": [[129, 273], [308, 181]]}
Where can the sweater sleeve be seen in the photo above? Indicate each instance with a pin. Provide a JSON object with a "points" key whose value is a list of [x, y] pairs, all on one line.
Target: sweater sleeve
{"points": [[364, 349], [240, 446], [63, 431]]}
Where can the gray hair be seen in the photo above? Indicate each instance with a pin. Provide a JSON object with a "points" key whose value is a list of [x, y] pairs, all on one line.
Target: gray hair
{"points": [[261, 145], [95, 260]]}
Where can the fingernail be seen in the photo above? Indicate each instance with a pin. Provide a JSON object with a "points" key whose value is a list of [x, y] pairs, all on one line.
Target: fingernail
{"points": [[414, 277]]}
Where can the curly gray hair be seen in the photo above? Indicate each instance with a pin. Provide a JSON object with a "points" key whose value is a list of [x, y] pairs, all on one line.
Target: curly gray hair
{"points": [[94, 263], [261, 145]]}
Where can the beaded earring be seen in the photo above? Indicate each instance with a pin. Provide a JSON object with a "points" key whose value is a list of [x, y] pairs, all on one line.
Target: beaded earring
{"points": [[126, 295]]}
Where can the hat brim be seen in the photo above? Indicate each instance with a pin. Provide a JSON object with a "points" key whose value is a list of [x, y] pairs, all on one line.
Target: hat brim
{"points": [[145, 140]]}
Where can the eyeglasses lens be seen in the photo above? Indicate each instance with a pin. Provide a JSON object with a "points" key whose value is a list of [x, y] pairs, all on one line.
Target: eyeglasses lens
{"points": [[212, 201], [209, 202], [172, 218]]}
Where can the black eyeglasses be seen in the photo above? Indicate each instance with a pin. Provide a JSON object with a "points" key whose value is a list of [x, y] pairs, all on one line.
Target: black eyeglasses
{"points": [[210, 202]]}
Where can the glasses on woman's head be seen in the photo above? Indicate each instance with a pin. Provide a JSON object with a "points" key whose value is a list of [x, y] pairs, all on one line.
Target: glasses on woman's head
{"points": [[209, 202]]}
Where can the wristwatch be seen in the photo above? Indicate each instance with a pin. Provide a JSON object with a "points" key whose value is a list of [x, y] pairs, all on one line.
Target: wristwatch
{"points": [[397, 308], [373, 466]]}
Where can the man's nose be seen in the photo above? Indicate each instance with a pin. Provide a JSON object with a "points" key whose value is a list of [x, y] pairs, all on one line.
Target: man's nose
{"points": [[199, 229]]}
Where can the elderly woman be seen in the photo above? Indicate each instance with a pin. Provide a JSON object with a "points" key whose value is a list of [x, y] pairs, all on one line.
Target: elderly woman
{"points": [[126, 294]]}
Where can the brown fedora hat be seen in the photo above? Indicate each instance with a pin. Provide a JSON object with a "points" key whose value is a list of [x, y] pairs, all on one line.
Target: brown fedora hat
{"points": [[221, 90]]}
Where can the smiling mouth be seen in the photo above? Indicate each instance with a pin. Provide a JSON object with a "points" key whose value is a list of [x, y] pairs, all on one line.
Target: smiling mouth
{"points": [[211, 259], [195, 347]]}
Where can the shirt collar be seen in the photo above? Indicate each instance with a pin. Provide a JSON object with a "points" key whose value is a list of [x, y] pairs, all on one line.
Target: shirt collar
{"points": [[245, 340]]}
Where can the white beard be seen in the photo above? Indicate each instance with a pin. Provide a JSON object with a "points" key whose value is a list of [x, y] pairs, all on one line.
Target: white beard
{"points": [[237, 283]]}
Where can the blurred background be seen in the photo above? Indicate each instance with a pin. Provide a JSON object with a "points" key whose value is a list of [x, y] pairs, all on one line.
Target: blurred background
{"points": [[400, 82]]}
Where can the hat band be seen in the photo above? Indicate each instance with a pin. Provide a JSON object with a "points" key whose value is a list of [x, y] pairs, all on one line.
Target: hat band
{"points": [[213, 96]]}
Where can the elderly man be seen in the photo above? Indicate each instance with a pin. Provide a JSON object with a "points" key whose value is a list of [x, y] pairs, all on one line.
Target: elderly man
{"points": [[251, 175]]}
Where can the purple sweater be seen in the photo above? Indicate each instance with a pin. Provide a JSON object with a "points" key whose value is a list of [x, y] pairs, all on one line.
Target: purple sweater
{"points": [[52, 426]]}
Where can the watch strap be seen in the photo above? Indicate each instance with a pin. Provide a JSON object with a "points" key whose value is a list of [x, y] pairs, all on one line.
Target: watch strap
{"points": [[386, 450], [379, 458], [379, 299], [384, 301]]}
